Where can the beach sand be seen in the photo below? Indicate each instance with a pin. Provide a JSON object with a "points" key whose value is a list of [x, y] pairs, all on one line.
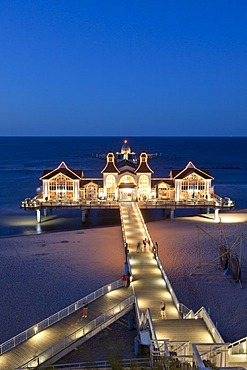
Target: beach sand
{"points": [[41, 274]]}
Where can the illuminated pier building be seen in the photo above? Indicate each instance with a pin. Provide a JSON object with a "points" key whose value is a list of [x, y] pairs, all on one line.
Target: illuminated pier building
{"points": [[125, 177]]}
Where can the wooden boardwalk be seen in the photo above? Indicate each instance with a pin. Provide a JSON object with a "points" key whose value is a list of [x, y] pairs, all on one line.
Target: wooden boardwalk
{"points": [[43, 340], [150, 287]]}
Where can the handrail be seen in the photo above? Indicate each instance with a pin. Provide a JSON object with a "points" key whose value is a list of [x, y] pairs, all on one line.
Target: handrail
{"points": [[79, 333], [28, 333], [144, 320], [202, 313], [168, 284], [197, 357], [190, 315], [124, 239], [157, 203], [145, 227], [35, 203], [238, 347]]}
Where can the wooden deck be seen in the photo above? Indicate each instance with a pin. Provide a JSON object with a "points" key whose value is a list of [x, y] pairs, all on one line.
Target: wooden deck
{"points": [[43, 340]]}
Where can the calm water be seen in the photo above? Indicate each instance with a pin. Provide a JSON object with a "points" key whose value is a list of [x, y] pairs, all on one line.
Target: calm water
{"points": [[23, 160]]}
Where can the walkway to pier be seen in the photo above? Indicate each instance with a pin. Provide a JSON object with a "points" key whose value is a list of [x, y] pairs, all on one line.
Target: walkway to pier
{"points": [[48, 337], [150, 287]]}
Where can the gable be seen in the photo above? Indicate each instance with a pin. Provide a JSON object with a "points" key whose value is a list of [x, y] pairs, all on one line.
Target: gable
{"points": [[63, 169]]}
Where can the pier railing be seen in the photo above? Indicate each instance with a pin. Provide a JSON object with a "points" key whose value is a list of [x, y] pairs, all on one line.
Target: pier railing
{"points": [[182, 309], [82, 334], [203, 314], [216, 202], [125, 242], [187, 203], [30, 332], [38, 204], [145, 228]]}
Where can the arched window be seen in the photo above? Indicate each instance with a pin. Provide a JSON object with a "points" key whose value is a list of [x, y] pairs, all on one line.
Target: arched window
{"points": [[163, 191], [110, 186], [61, 187], [143, 186], [193, 182], [91, 191], [193, 187], [127, 180], [110, 181]]}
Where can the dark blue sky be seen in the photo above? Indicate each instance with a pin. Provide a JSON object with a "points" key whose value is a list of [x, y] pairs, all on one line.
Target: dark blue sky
{"points": [[123, 68]]}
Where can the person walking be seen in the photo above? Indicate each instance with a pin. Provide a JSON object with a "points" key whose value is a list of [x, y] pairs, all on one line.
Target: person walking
{"points": [[138, 246], [126, 251], [156, 248], [144, 245], [84, 310], [125, 280], [128, 279], [163, 310]]}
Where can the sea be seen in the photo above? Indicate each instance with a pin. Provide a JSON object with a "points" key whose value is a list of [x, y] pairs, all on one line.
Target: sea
{"points": [[23, 160]]}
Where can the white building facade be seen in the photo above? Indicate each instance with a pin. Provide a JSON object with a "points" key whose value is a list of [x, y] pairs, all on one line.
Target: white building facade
{"points": [[126, 178]]}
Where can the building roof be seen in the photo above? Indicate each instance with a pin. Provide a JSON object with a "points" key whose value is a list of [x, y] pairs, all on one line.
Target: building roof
{"points": [[110, 166], [126, 162], [65, 170], [87, 181], [126, 166], [143, 165], [169, 182], [188, 170], [125, 148]]}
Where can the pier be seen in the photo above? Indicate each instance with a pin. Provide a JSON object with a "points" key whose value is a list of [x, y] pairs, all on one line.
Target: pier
{"points": [[126, 178], [42, 207], [192, 336]]}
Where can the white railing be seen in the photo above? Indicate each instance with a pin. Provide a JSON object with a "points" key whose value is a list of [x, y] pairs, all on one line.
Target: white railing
{"points": [[169, 348], [168, 284], [144, 320], [28, 333], [195, 355], [202, 314], [86, 331], [238, 348], [124, 240], [36, 203], [145, 227]]}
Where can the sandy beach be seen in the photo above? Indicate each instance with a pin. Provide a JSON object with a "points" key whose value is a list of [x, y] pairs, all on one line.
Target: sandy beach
{"points": [[41, 274]]}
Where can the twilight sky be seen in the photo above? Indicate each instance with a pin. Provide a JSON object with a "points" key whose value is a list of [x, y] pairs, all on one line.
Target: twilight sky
{"points": [[123, 67]]}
